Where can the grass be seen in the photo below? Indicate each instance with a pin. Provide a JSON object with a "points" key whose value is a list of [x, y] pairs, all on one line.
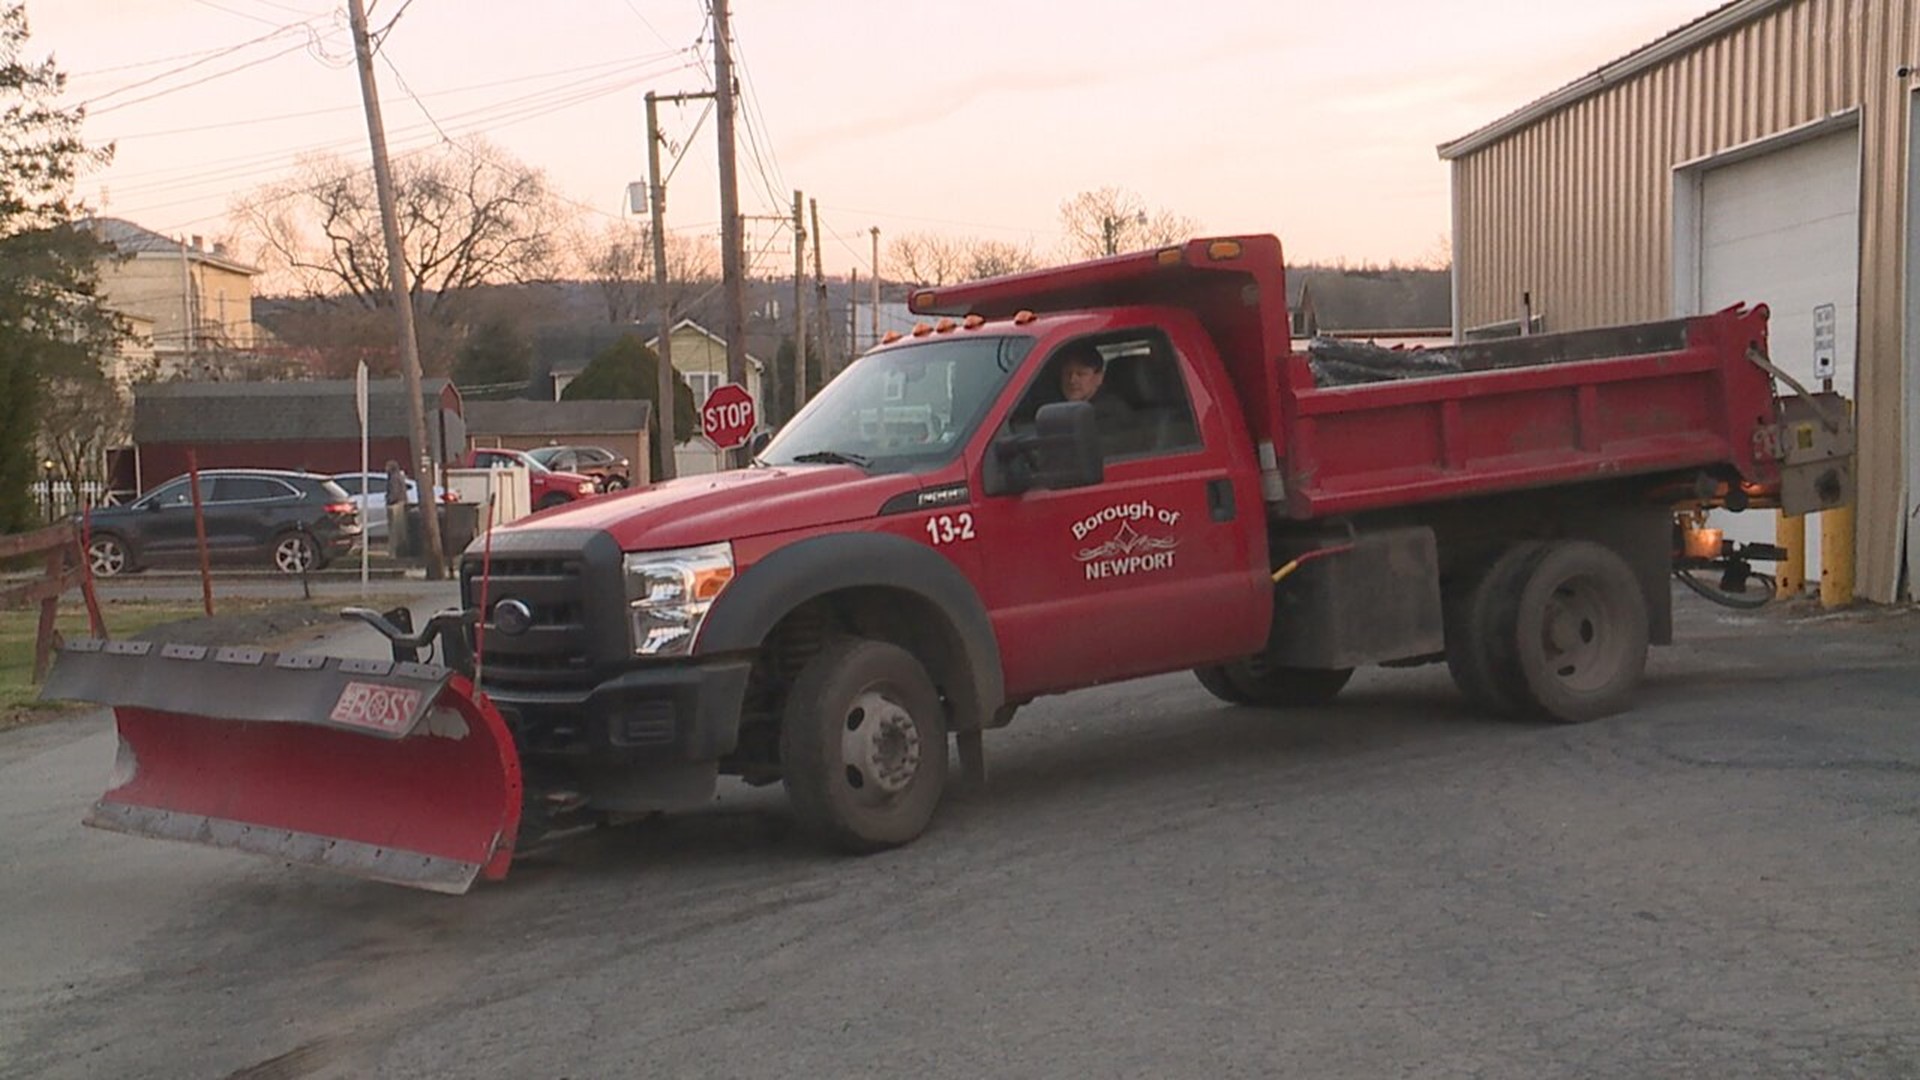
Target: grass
{"points": [[19, 696]]}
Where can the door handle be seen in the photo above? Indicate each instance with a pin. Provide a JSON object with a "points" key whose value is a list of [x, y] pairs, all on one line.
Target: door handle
{"points": [[1220, 499]]}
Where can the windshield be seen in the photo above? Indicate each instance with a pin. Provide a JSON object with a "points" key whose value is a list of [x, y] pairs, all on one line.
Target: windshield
{"points": [[901, 409]]}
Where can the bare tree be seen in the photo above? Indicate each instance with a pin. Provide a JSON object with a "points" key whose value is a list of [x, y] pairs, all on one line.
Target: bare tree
{"points": [[83, 416], [1113, 220], [470, 215], [932, 259], [619, 259], [923, 259]]}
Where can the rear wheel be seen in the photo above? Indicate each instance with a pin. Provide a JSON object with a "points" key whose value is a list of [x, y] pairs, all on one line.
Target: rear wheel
{"points": [[108, 556], [295, 553], [1255, 681], [1570, 645], [1472, 623], [614, 483], [863, 746]]}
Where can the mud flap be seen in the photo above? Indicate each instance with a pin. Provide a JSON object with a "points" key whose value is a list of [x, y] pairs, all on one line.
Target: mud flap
{"points": [[392, 771]]}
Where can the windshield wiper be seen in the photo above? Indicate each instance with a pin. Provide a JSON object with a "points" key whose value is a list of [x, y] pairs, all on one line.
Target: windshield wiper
{"points": [[833, 457]]}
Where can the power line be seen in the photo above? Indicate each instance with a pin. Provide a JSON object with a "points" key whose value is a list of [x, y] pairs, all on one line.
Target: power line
{"points": [[207, 57], [296, 47]]}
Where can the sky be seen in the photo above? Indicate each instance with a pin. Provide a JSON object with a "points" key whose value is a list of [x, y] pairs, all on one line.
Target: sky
{"points": [[1314, 121]]}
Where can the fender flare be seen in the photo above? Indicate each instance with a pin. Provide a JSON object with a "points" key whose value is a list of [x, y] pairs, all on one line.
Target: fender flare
{"points": [[753, 603]]}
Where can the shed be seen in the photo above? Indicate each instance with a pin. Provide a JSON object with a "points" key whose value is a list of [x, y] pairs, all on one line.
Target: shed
{"points": [[312, 426], [1763, 153], [619, 426]]}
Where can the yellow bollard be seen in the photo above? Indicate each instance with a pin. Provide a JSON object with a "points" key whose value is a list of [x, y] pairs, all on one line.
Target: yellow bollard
{"points": [[1790, 533], [1836, 557]]}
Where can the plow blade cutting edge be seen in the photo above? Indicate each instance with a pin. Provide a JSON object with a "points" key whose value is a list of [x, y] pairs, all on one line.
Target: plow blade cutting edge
{"points": [[398, 772]]}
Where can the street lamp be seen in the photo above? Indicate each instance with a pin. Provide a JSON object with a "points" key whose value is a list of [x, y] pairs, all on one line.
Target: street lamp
{"points": [[46, 471]]}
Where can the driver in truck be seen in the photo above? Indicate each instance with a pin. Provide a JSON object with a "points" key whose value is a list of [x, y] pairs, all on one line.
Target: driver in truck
{"points": [[1083, 374]]}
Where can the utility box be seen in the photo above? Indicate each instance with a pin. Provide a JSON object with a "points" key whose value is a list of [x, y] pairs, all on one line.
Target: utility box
{"points": [[509, 490]]}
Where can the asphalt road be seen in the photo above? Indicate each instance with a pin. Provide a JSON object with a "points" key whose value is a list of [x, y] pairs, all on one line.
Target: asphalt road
{"points": [[1719, 883]]}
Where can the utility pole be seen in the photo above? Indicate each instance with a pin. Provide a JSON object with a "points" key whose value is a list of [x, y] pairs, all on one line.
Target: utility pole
{"points": [[732, 274], [663, 297], [873, 309], [819, 280], [402, 300], [799, 306]]}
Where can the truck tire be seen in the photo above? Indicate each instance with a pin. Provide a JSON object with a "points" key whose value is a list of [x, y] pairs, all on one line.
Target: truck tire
{"points": [[1570, 644], [1471, 624], [1215, 680], [1256, 682], [863, 746]]}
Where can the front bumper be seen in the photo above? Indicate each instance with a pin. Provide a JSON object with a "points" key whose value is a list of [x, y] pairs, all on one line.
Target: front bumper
{"points": [[683, 711]]}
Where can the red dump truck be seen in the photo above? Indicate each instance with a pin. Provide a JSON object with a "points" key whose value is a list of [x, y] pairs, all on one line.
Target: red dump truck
{"points": [[953, 527]]}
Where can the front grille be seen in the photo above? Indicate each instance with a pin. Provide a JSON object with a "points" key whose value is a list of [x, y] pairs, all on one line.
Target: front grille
{"points": [[558, 650]]}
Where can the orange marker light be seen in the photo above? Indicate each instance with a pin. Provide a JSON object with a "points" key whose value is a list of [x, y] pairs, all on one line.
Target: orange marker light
{"points": [[923, 299], [891, 337], [974, 322], [1168, 256], [1022, 318], [921, 329], [943, 326], [1220, 250]]}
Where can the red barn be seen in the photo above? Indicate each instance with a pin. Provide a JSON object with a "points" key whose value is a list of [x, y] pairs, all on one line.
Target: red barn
{"points": [[310, 426]]}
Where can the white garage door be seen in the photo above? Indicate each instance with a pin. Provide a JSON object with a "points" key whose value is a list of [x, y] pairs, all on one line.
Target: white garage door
{"points": [[1783, 229]]}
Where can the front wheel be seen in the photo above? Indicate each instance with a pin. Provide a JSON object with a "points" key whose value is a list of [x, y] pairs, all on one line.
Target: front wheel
{"points": [[1256, 682], [863, 746], [614, 483], [294, 553]]}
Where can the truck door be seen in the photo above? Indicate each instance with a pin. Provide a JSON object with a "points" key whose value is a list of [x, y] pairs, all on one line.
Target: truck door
{"points": [[1153, 569]]}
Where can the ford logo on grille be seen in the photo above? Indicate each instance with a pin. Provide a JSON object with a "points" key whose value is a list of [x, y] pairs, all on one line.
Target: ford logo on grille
{"points": [[512, 617]]}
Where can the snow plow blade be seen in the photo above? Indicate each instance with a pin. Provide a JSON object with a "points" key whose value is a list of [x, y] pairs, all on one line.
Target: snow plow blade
{"points": [[397, 772]]}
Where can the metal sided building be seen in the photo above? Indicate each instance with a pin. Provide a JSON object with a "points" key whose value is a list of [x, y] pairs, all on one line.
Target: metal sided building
{"points": [[1764, 153]]}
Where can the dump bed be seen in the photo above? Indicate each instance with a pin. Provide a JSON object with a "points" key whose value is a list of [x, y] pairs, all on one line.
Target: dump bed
{"points": [[1530, 413], [1481, 420]]}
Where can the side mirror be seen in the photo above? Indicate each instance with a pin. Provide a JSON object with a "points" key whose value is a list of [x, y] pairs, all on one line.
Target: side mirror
{"points": [[1062, 452], [755, 444]]}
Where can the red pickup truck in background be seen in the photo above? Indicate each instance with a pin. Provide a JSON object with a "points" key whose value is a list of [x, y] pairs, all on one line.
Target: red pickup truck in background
{"points": [[549, 487]]}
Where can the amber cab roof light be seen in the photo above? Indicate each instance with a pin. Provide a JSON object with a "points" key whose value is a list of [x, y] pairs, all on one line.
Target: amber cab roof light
{"points": [[974, 322], [922, 329]]}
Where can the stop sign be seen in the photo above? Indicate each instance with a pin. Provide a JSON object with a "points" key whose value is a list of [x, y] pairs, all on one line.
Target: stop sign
{"points": [[727, 417]]}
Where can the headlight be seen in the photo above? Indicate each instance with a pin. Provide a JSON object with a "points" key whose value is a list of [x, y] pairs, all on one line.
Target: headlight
{"points": [[668, 594]]}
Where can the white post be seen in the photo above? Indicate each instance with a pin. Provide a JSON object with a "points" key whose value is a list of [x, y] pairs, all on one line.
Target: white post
{"points": [[360, 404]]}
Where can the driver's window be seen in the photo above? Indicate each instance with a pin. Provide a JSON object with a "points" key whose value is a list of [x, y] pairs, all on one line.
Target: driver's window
{"points": [[1141, 407]]}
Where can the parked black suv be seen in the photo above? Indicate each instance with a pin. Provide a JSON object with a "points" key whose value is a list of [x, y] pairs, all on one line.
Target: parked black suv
{"points": [[293, 521]]}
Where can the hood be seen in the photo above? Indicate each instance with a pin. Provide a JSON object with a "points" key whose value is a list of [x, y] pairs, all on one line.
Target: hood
{"points": [[730, 505]]}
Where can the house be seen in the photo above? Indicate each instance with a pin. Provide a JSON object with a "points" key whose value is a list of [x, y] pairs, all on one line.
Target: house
{"points": [[311, 426], [198, 299], [699, 355]]}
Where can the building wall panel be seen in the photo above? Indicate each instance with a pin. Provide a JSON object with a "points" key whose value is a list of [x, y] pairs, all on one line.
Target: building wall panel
{"points": [[1576, 208]]}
